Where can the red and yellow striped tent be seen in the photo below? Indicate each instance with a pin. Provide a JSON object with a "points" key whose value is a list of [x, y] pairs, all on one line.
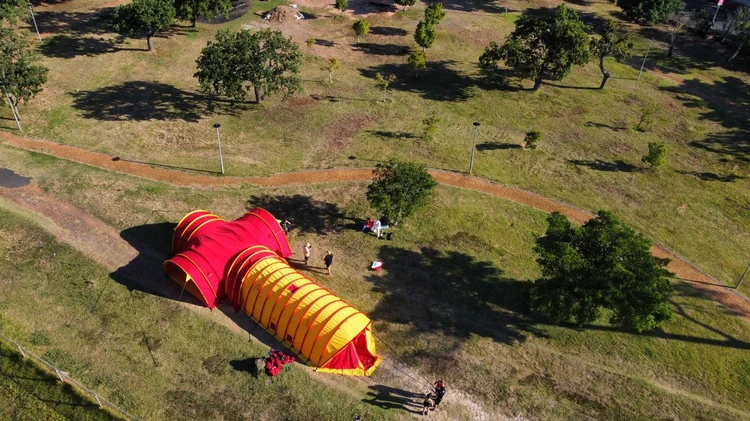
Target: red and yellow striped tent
{"points": [[244, 260]]}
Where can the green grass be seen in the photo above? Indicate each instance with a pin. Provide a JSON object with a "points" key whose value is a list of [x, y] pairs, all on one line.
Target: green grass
{"points": [[31, 393], [145, 106], [449, 301]]}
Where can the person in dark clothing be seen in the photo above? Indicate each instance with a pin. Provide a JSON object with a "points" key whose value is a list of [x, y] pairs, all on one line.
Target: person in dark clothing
{"points": [[428, 403], [329, 261], [385, 221], [286, 225], [439, 391]]}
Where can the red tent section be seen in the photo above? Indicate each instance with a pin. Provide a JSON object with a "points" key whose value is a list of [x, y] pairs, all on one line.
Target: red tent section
{"points": [[205, 246]]}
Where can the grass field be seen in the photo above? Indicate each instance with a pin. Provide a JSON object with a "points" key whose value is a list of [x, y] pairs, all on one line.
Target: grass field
{"points": [[30, 393], [449, 302], [107, 95]]}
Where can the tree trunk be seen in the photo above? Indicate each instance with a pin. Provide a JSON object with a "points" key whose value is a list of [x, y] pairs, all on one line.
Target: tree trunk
{"points": [[330, 77], [195, 21], [149, 40], [737, 51], [357, 40], [538, 81], [671, 45], [605, 73], [257, 94]]}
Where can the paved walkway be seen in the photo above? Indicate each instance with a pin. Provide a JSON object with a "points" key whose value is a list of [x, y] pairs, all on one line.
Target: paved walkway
{"points": [[718, 291]]}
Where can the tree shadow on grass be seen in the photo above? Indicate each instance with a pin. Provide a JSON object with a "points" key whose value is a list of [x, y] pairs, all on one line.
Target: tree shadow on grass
{"points": [[65, 46], [683, 289], [600, 165], [324, 42], [382, 49], [709, 176], [388, 31], [308, 215], [726, 102], [605, 126], [451, 293], [392, 398], [141, 101], [439, 82], [490, 6], [393, 135], [493, 146], [75, 23]]}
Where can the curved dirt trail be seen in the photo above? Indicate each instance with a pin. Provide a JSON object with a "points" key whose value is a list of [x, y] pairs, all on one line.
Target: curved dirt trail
{"points": [[715, 289]]}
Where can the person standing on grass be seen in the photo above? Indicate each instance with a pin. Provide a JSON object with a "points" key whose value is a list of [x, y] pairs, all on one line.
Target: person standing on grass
{"points": [[306, 252], [428, 403], [286, 225], [329, 261], [439, 391]]}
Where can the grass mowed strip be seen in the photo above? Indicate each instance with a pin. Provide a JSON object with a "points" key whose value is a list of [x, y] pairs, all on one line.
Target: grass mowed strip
{"points": [[29, 392], [450, 301]]}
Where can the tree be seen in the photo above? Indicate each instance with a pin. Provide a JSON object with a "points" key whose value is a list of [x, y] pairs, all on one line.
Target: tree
{"points": [[649, 12], [542, 47], [741, 29], [191, 10], [612, 42], [21, 75], [264, 60], [341, 5], [384, 81], [675, 25], [424, 35], [361, 28], [333, 65], [417, 62], [434, 14], [144, 17], [603, 264], [400, 188], [532, 138], [12, 11], [405, 3], [657, 154], [431, 125]]}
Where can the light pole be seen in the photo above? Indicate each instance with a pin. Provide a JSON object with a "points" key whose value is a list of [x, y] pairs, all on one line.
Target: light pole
{"points": [[218, 140], [473, 146], [31, 9]]}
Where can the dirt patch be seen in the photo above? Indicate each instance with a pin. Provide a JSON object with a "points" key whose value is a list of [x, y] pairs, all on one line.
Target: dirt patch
{"points": [[283, 14], [342, 131]]}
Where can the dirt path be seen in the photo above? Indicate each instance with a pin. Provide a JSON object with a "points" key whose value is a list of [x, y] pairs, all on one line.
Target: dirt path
{"points": [[715, 289]]}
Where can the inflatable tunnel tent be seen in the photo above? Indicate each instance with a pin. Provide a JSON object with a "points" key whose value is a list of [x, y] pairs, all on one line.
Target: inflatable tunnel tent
{"points": [[203, 244], [244, 260]]}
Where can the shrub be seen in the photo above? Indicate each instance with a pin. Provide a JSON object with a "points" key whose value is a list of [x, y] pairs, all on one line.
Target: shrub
{"points": [[532, 138]]}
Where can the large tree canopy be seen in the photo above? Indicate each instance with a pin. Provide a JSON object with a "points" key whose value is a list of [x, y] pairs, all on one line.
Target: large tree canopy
{"points": [[13, 10], [649, 12], [603, 264], [542, 48], [21, 75], [193, 9], [144, 17], [264, 60], [400, 188]]}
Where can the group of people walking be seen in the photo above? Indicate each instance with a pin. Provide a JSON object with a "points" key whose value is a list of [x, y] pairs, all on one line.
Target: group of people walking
{"points": [[328, 259]]}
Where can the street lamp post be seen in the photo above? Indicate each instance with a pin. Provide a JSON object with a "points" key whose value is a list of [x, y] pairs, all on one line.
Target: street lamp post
{"points": [[218, 140], [473, 146]]}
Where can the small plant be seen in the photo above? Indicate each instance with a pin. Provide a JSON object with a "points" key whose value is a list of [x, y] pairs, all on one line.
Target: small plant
{"points": [[341, 5], [657, 154], [384, 82], [532, 138], [310, 42], [645, 119], [430, 127], [417, 62], [361, 28], [333, 65]]}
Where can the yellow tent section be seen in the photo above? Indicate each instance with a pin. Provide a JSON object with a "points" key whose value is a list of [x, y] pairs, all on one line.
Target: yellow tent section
{"points": [[320, 327]]}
